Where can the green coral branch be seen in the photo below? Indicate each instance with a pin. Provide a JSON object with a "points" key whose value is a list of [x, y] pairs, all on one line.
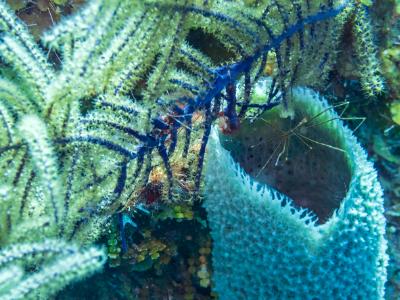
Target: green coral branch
{"points": [[71, 264], [370, 72], [34, 132]]}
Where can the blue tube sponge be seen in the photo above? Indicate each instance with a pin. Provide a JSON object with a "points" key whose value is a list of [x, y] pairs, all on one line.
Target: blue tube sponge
{"points": [[295, 208]]}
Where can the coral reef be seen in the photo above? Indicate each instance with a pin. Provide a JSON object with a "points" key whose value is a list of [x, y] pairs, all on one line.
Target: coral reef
{"points": [[255, 225], [180, 267], [105, 118]]}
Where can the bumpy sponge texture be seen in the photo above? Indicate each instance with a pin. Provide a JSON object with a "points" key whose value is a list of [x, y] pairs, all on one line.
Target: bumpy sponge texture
{"points": [[267, 247]]}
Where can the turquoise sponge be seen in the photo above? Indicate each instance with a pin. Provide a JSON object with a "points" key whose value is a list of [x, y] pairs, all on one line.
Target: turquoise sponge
{"points": [[295, 208]]}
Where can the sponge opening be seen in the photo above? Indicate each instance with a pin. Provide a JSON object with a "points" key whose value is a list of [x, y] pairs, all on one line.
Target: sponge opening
{"points": [[300, 156]]}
